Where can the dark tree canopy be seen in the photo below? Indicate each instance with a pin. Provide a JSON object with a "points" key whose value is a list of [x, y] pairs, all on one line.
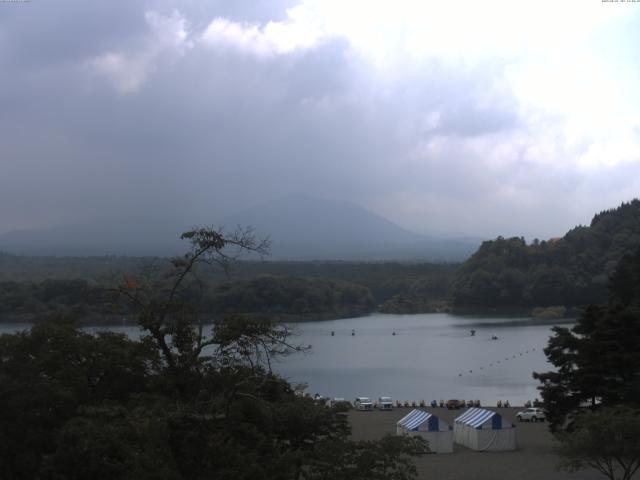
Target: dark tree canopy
{"points": [[570, 271], [184, 402], [268, 294], [598, 360], [607, 440]]}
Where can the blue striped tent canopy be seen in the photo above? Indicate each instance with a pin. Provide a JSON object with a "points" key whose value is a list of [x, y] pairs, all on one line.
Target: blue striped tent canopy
{"points": [[477, 417], [417, 418]]}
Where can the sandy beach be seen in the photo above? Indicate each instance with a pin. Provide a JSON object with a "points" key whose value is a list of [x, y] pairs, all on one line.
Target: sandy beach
{"points": [[533, 460]]}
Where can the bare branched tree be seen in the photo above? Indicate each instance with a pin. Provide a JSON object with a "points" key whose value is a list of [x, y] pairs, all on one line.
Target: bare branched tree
{"points": [[174, 324]]}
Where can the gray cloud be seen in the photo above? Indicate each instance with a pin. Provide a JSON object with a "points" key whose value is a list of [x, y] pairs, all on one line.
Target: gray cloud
{"points": [[106, 114]]}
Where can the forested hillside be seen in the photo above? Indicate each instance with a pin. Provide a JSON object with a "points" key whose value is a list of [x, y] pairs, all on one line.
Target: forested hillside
{"points": [[286, 297], [571, 271], [32, 288]]}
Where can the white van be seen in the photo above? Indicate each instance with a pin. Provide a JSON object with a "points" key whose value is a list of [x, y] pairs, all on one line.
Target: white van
{"points": [[363, 403]]}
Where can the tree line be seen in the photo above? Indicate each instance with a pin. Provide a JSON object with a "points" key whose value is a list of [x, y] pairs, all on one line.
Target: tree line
{"points": [[292, 290], [570, 271]]}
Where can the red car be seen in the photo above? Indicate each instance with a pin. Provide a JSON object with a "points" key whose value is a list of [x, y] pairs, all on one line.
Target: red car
{"points": [[453, 404]]}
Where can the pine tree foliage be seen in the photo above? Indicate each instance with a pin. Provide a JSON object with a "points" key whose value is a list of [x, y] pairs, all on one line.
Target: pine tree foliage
{"points": [[598, 360]]}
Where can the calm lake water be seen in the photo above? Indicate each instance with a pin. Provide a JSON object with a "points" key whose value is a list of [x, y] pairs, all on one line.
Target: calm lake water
{"points": [[431, 357]]}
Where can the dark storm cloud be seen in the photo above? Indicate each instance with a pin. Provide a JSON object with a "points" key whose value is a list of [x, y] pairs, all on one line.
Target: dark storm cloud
{"points": [[47, 34], [126, 110]]}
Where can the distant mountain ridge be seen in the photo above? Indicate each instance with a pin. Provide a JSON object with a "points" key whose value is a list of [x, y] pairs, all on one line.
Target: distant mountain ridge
{"points": [[309, 228], [570, 271], [300, 228]]}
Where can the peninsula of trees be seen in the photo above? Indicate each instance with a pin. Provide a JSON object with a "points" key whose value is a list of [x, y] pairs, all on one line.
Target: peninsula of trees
{"points": [[570, 271]]}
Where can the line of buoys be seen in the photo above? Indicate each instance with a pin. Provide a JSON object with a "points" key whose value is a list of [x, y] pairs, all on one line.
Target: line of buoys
{"points": [[499, 361], [353, 332]]}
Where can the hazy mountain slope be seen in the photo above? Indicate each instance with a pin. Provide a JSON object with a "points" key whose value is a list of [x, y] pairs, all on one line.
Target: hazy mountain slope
{"points": [[302, 227], [144, 237]]}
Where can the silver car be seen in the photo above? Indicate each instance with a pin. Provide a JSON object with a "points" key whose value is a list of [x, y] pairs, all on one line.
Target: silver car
{"points": [[385, 403], [531, 415], [363, 403]]}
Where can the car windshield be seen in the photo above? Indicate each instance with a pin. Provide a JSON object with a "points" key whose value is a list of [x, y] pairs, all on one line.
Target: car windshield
{"points": [[385, 399]]}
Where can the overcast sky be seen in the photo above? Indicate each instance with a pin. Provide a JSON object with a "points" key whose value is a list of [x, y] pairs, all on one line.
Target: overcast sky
{"points": [[467, 118]]}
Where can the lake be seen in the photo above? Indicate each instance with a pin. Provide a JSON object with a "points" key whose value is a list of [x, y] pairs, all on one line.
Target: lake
{"points": [[431, 357]]}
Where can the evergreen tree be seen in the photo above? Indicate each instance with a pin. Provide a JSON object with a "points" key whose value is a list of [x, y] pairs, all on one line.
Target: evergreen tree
{"points": [[598, 360]]}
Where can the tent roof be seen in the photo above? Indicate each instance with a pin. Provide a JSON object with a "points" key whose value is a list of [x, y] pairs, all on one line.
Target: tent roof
{"points": [[475, 417], [414, 419]]}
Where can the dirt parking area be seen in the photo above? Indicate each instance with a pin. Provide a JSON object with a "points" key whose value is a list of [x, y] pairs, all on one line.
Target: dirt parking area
{"points": [[533, 460]]}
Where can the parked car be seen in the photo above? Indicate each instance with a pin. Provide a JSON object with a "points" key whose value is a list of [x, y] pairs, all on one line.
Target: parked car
{"points": [[363, 403], [531, 415], [385, 403], [453, 404]]}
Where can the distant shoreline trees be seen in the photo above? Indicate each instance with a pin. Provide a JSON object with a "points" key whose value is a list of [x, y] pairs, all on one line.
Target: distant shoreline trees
{"points": [[293, 291]]}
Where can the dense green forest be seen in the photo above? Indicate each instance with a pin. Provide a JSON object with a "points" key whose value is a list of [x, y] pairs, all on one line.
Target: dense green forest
{"points": [[290, 298], [33, 287], [33, 301], [570, 271], [271, 295], [384, 279]]}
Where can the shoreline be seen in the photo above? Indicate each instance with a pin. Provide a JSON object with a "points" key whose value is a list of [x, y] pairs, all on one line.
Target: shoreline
{"points": [[116, 320]]}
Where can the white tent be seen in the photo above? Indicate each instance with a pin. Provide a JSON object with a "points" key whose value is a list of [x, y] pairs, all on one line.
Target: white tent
{"points": [[484, 430], [426, 425]]}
